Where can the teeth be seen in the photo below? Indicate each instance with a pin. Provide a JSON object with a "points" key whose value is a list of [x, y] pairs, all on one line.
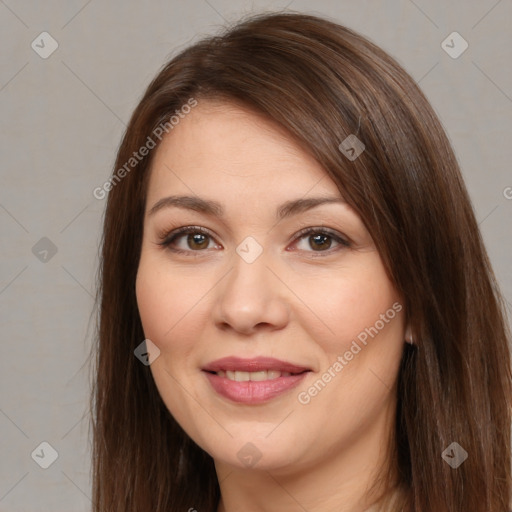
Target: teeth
{"points": [[252, 376], [238, 376], [257, 376]]}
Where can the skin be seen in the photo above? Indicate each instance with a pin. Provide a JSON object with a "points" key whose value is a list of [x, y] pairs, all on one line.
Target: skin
{"points": [[210, 303]]}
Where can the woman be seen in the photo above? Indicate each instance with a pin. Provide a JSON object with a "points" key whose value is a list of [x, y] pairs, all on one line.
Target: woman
{"points": [[291, 254]]}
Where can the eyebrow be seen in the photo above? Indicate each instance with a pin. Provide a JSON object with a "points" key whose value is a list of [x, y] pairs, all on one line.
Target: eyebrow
{"points": [[213, 208]]}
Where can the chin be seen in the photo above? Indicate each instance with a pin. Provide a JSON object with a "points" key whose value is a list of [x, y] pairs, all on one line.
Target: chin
{"points": [[256, 453]]}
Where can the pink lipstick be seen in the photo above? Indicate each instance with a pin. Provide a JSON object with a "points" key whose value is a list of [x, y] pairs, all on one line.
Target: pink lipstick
{"points": [[253, 381]]}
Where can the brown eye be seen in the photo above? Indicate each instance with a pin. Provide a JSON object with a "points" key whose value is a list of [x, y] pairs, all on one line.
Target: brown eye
{"points": [[196, 240], [321, 240]]}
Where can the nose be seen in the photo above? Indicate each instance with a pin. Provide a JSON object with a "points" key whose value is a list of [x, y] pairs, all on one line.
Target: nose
{"points": [[251, 298]]}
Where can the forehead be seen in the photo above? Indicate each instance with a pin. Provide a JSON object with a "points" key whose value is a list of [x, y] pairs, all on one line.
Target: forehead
{"points": [[220, 147]]}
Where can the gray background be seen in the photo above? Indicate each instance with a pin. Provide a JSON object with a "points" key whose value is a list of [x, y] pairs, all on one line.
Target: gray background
{"points": [[61, 122]]}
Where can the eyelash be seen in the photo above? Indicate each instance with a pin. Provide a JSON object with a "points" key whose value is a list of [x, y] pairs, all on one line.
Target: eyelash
{"points": [[171, 237]]}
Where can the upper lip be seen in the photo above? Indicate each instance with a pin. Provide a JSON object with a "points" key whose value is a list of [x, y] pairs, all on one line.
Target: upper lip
{"points": [[255, 364]]}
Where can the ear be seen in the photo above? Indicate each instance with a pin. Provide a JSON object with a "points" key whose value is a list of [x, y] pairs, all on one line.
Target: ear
{"points": [[408, 335]]}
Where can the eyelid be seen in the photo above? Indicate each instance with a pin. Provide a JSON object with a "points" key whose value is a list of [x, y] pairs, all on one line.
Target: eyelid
{"points": [[168, 237]]}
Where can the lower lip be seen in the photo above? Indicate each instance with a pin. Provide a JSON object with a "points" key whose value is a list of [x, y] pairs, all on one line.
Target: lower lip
{"points": [[253, 392]]}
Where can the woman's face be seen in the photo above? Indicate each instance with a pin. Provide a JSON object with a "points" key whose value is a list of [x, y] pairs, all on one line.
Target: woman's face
{"points": [[309, 322]]}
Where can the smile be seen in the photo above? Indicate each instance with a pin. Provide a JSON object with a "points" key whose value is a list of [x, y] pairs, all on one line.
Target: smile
{"points": [[240, 376], [253, 381]]}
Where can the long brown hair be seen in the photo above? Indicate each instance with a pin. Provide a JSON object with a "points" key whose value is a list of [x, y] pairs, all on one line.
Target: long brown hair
{"points": [[322, 82]]}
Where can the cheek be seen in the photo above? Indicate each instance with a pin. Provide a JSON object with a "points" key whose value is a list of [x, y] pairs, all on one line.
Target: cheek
{"points": [[352, 302], [167, 303], [153, 302], [360, 353], [172, 303]]}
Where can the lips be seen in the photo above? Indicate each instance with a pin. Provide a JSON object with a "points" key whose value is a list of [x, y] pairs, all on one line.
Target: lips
{"points": [[257, 364], [253, 381]]}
